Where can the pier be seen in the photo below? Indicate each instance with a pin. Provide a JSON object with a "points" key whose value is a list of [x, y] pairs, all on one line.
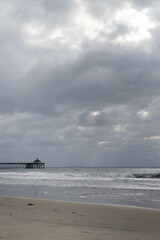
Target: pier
{"points": [[26, 165]]}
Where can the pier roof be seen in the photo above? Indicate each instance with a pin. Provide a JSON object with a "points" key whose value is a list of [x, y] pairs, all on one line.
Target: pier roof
{"points": [[37, 161]]}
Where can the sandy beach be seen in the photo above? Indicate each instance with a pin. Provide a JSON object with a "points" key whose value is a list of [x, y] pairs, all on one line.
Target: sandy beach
{"points": [[24, 218]]}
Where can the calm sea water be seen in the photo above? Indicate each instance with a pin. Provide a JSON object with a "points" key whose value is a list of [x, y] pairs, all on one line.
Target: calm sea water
{"points": [[122, 186]]}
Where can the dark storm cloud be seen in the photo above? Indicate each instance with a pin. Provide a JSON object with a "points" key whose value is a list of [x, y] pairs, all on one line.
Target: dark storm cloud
{"points": [[144, 3], [59, 8], [77, 84], [120, 30], [100, 8], [109, 76], [58, 12]]}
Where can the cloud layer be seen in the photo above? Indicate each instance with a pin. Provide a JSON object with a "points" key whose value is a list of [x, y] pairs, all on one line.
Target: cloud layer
{"points": [[79, 82]]}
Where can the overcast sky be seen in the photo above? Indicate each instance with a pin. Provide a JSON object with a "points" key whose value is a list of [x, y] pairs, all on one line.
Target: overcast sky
{"points": [[80, 82]]}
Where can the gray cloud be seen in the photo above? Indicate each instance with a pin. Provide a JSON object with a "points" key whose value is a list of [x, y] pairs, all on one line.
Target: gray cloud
{"points": [[78, 85], [104, 8], [93, 119], [144, 4]]}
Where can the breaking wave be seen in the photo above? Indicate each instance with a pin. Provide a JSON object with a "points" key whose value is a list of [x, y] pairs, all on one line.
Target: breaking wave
{"points": [[147, 175]]}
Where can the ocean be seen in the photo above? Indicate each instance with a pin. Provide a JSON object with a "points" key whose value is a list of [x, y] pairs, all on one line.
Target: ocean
{"points": [[138, 187]]}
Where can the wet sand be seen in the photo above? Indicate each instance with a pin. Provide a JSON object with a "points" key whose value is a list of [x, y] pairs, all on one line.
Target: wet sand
{"points": [[31, 219]]}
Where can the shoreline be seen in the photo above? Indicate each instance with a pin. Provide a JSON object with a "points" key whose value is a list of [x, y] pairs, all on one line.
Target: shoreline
{"points": [[82, 202], [27, 218], [57, 196]]}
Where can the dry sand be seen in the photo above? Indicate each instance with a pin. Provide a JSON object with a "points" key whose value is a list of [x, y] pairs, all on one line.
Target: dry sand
{"points": [[31, 219]]}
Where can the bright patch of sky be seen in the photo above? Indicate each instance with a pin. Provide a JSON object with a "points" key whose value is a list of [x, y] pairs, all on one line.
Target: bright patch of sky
{"points": [[143, 114], [96, 113], [152, 138], [138, 23], [84, 26], [118, 128]]}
